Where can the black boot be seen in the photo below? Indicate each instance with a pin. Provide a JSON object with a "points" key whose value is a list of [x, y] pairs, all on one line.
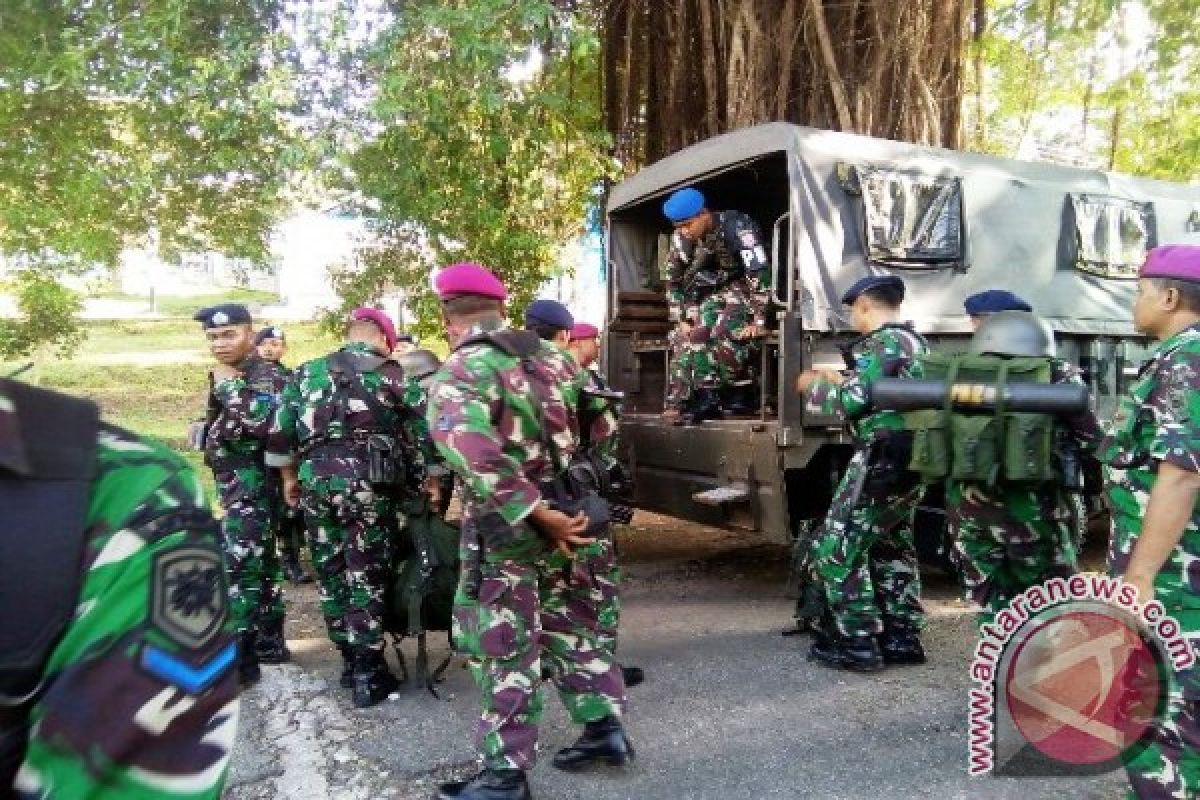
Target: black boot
{"points": [[901, 645], [856, 653], [271, 647], [603, 741], [373, 681], [705, 404], [633, 676], [248, 671], [346, 681], [491, 784]]}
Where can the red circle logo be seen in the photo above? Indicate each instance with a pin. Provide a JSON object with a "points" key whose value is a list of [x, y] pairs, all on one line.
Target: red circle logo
{"points": [[1083, 686]]}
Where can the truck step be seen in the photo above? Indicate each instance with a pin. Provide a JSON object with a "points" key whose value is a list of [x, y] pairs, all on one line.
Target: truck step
{"points": [[722, 495]]}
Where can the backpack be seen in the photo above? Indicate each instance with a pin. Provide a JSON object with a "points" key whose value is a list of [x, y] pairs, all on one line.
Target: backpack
{"points": [[989, 448], [424, 579], [43, 538]]}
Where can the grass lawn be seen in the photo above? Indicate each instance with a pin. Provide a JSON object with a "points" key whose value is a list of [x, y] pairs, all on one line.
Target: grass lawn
{"points": [[173, 306], [150, 376]]}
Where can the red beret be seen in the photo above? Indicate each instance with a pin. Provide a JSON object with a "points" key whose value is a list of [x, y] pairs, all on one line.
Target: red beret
{"points": [[381, 320], [583, 330], [468, 278], [1180, 262]]}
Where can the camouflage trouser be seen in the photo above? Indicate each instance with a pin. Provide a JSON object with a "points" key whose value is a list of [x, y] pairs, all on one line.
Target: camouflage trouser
{"points": [[1008, 540], [351, 529], [513, 617], [865, 559], [255, 573], [710, 356]]}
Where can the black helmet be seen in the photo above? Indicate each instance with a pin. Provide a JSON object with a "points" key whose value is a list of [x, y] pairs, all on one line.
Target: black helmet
{"points": [[419, 364], [1013, 333]]}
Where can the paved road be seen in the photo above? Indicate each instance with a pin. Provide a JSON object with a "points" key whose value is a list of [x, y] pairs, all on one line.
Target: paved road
{"points": [[731, 710]]}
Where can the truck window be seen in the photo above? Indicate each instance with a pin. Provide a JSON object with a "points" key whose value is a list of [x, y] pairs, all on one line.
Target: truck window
{"points": [[1112, 234], [909, 220]]}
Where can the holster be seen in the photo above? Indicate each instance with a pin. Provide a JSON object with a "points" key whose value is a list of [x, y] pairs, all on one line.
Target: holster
{"points": [[888, 456], [383, 461]]}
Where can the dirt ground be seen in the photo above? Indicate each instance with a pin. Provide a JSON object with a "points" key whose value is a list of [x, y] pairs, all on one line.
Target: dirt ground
{"points": [[731, 709]]}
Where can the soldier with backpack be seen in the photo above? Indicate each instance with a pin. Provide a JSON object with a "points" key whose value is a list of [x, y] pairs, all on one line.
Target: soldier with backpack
{"points": [[502, 419], [1009, 476], [863, 556], [345, 442], [117, 647]]}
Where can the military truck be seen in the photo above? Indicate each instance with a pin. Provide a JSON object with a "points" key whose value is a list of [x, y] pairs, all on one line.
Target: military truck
{"points": [[836, 207]]}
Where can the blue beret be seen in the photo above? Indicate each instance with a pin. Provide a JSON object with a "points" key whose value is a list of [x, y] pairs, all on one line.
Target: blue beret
{"points": [[550, 313], [872, 282], [994, 300], [684, 204], [269, 332], [223, 315]]}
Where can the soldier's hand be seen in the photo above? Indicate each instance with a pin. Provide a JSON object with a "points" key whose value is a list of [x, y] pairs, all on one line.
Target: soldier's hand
{"points": [[565, 532], [752, 332], [433, 489], [223, 372], [806, 379]]}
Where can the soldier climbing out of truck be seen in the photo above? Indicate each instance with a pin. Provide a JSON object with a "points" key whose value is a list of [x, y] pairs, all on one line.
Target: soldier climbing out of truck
{"points": [[717, 278]]}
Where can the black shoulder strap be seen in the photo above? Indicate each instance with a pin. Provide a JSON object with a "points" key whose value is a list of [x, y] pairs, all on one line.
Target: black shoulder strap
{"points": [[347, 369], [518, 344], [43, 532]]}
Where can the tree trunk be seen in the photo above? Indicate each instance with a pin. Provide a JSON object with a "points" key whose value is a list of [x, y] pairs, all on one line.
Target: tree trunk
{"points": [[677, 71]]}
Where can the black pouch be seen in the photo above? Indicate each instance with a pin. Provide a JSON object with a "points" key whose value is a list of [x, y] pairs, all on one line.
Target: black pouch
{"points": [[382, 461], [887, 467]]}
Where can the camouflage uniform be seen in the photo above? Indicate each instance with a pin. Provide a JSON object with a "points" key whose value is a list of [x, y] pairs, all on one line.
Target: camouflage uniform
{"points": [[351, 522], [717, 283], [518, 602], [244, 406], [130, 708], [864, 555], [1158, 421], [1009, 538]]}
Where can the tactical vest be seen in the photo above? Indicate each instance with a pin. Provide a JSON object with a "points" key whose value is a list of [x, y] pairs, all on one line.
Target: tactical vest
{"points": [[989, 448], [42, 539]]}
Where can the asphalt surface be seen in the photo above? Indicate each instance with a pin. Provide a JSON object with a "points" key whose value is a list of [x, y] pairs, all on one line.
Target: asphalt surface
{"points": [[731, 710]]}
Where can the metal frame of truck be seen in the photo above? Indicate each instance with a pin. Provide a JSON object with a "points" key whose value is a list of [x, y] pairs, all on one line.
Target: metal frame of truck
{"points": [[1021, 226]]}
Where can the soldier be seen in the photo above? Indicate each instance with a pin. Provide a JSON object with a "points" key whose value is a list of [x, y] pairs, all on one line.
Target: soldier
{"points": [[344, 442], [717, 279], [601, 440], [244, 392], [502, 417], [117, 649], [1009, 537], [419, 368], [1152, 466], [289, 533], [992, 301], [864, 556]]}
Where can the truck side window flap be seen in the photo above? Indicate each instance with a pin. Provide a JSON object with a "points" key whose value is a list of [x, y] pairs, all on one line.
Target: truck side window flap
{"points": [[910, 221], [1111, 234], [1193, 222]]}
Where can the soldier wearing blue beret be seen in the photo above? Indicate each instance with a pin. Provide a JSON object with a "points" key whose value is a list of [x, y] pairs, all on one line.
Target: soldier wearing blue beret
{"points": [[244, 390], [864, 557], [992, 301], [551, 321], [717, 279]]}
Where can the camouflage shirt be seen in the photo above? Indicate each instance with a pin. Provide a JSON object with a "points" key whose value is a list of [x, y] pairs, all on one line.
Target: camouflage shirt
{"points": [[140, 698], [732, 252], [1159, 421], [244, 406], [887, 352], [604, 418], [490, 424], [313, 409]]}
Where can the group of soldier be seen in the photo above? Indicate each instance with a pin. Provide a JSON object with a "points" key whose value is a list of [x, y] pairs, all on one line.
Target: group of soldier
{"points": [[350, 438], [120, 676]]}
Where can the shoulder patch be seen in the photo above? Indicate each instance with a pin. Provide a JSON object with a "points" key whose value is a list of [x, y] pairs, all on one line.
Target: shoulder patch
{"points": [[188, 601]]}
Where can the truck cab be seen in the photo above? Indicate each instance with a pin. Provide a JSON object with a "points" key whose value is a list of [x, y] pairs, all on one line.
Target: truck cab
{"points": [[836, 207]]}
